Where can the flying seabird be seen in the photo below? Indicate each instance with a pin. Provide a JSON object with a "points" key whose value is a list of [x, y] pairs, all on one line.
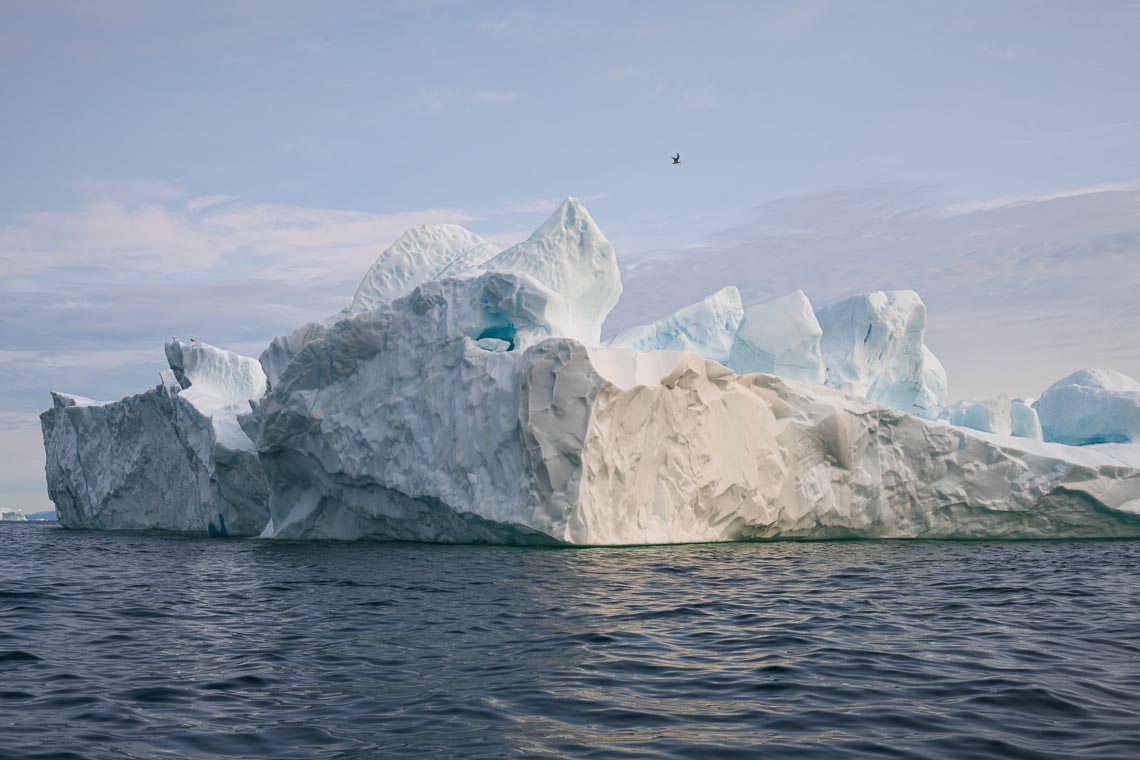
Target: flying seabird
{"points": [[677, 158]]}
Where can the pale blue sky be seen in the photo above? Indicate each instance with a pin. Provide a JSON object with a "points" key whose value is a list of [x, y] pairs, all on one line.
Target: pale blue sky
{"points": [[229, 170]]}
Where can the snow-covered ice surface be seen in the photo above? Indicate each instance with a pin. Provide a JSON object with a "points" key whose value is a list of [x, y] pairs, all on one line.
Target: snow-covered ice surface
{"points": [[873, 346], [708, 327], [464, 396], [170, 458], [419, 256], [1091, 406]]}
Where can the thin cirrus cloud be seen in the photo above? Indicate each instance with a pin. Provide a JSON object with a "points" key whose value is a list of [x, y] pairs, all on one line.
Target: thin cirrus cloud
{"points": [[445, 101], [127, 238]]}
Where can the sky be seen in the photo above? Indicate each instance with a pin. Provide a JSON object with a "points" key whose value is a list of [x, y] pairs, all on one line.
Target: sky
{"points": [[229, 170]]}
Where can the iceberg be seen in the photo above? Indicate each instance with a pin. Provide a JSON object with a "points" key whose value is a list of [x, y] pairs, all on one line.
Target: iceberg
{"points": [[465, 396], [12, 515], [1023, 420], [563, 443], [990, 416], [1000, 415], [781, 337], [171, 458], [1091, 406], [708, 327], [872, 346]]}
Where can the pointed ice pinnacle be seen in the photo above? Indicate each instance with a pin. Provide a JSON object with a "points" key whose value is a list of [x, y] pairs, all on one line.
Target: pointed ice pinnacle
{"points": [[569, 255], [872, 346]]}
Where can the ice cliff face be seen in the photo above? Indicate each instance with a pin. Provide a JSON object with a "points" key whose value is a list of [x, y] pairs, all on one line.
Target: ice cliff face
{"points": [[171, 458], [353, 440], [463, 396], [1091, 406], [12, 515], [873, 346], [1023, 421], [781, 337]]}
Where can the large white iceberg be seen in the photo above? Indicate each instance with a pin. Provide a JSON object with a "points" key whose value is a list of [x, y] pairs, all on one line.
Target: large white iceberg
{"points": [[424, 436], [1091, 406], [12, 515], [467, 399], [873, 346], [171, 458]]}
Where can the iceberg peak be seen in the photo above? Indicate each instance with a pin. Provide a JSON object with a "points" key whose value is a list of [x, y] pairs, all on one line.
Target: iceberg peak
{"points": [[419, 255], [873, 346], [571, 256]]}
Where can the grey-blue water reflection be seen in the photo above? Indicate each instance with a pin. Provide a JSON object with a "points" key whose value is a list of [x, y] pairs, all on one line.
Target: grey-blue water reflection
{"points": [[151, 646]]}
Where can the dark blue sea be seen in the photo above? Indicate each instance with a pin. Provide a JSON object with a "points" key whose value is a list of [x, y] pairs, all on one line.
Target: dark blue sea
{"points": [[152, 646]]}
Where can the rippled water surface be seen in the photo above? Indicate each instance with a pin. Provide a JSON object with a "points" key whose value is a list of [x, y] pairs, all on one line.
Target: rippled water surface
{"points": [[129, 645]]}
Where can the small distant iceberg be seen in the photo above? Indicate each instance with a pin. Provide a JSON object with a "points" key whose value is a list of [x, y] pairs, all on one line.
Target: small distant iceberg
{"points": [[12, 515], [1091, 406], [46, 516], [466, 395]]}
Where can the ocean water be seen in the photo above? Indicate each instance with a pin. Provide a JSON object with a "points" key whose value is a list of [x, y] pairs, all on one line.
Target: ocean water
{"points": [[152, 646]]}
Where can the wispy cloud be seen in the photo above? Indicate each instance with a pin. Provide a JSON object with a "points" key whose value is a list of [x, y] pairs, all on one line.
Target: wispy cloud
{"points": [[130, 238], [442, 101], [704, 99], [969, 207], [515, 22], [626, 73], [316, 46], [491, 98], [1083, 133]]}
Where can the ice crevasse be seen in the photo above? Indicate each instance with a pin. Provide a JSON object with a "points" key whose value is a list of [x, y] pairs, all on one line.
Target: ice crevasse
{"points": [[466, 396]]}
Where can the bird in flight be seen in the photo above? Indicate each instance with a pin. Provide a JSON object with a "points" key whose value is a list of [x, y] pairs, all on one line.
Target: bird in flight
{"points": [[677, 158]]}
